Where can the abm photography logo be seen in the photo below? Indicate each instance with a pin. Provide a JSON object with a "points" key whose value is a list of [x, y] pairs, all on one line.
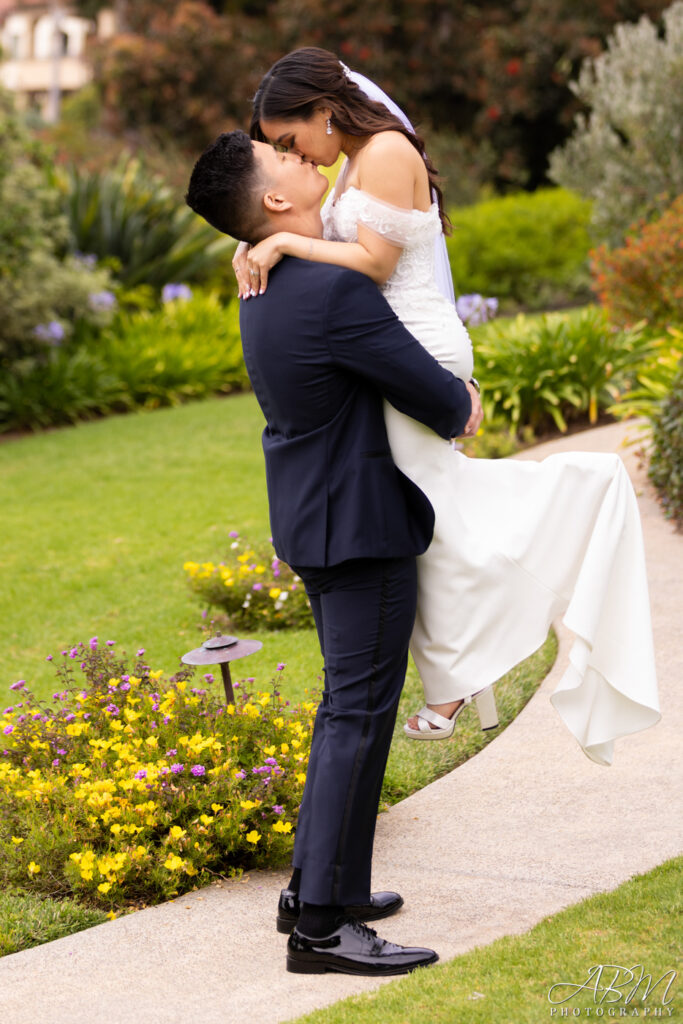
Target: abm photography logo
{"points": [[614, 991]]}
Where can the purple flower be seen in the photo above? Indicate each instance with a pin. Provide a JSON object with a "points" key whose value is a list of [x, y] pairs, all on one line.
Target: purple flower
{"points": [[233, 533], [55, 763], [172, 752], [257, 586], [270, 760], [93, 643], [197, 770], [125, 687], [52, 333], [61, 751], [73, 653], [240, 775], [153, 725], [102, 300], [281, 666], [124, 679], [37, 717], [142, 774], [475, 309], [170, 292], [278, 808], [8, 711], [141, 652], [209, 678], [112, 709], [8, 730], [88, 259], [70, 718], [110, 643], [167, 719], [20, 685], [177, 768]]}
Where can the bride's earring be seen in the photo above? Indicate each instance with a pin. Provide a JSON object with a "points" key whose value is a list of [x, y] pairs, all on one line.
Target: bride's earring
{"points": [[328, 129]]}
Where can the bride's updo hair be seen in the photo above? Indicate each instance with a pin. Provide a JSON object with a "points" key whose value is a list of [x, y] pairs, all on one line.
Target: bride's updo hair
{"points": [[309, 78]]}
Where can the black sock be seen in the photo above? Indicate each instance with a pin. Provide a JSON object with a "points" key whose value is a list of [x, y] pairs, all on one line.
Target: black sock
{"points": [[316, 920], [295, 881]]}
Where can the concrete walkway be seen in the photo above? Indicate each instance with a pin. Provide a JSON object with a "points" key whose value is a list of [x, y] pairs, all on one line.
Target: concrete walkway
{"points": [[525, 828]]}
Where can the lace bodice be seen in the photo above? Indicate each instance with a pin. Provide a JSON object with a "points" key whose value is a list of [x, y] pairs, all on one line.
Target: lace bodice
{"points": [[411, 290]]}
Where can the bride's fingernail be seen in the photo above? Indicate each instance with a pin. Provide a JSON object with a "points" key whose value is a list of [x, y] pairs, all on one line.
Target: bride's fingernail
{"points": [[252, 292]]}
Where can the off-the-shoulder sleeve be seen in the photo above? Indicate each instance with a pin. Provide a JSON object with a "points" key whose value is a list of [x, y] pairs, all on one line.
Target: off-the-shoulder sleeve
{"points": [[398, 226]]}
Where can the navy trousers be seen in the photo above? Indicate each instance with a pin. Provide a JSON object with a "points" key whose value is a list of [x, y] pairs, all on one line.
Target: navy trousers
{"points": [[364, 612]]}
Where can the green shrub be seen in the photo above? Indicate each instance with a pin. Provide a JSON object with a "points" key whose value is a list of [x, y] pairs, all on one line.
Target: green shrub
{"points": [[130, 786], [666, 464], [654, 380], [190, 348], [131, 218], [626, 154], [44, 297], [546, 371], [254, 588], [644, 278], [529, 249], [151, 358], [64, 387]]}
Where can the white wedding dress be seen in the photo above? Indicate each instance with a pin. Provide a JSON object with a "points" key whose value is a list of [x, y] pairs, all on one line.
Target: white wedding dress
{"points": [[515, 543]]}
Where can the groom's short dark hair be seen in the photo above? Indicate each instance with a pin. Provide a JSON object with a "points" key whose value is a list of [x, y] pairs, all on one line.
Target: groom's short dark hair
{"points": [[226, 187]]}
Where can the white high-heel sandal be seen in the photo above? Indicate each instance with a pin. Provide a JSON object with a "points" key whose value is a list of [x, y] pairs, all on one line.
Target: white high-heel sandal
{"points": [[486, 706]]}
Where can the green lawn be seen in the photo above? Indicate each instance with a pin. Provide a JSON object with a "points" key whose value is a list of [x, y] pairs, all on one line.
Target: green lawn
{"points": [[509, 981], [98, 519]]}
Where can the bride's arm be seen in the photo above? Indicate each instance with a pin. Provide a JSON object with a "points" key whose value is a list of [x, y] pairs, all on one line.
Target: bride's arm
{"points": [[387, 172]]}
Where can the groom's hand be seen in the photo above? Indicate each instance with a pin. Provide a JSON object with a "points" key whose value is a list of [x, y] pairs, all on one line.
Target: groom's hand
{"points": [[477, 414]]}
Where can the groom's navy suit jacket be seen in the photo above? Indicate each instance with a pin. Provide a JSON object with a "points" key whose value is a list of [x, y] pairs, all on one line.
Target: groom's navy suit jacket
{"points": [[322, 348]]}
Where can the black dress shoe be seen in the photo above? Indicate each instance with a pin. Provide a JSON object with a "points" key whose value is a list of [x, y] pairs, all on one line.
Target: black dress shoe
{"points": [[353, 948], [382, 904]]}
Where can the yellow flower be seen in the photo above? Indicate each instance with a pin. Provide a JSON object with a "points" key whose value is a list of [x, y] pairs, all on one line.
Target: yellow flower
{"points": [[104, 887], [269, 751], [33, 868], [284, 747], [206, 819], [173, 862], [230, 709], [86, 876], [16, 841], [157, 674], [216, 808], [301, 777], [190, 870], [253, 836], [278, 722], [112, 916], [282, 826], [247, 805], [176, 832], [274, 592]]}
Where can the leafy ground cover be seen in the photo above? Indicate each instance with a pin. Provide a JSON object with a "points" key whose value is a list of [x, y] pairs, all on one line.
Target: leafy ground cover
{"points": [[509, 981]]}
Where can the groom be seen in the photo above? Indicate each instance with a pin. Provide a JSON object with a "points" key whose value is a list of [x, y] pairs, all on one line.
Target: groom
{"points": [[322, 349]]}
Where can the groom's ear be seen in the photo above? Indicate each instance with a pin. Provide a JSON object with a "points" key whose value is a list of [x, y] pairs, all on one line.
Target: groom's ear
{"points": [[275, 202]]}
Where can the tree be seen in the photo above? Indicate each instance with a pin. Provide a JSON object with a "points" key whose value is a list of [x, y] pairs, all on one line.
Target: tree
{"points": [[626, 154]]}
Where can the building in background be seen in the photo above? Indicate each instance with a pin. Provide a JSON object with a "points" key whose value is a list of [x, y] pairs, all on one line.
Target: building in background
{"points": [[43, 52]]}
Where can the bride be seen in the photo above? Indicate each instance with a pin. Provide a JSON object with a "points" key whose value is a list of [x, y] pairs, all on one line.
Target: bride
{"points": [[515, 543]]}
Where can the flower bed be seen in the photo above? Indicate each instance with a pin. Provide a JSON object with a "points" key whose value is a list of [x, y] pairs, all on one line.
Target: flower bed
{"points": [[133, 787], [253, 587]]}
